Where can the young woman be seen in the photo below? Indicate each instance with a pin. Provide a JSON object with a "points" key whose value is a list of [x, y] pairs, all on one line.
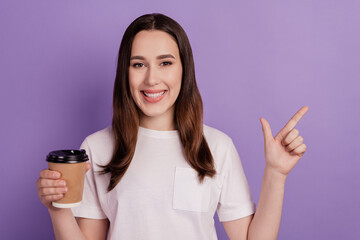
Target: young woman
{"points": [[158, 172]]}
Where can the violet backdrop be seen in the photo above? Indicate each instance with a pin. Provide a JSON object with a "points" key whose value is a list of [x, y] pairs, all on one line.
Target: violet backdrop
{"points": [[253, 59]]}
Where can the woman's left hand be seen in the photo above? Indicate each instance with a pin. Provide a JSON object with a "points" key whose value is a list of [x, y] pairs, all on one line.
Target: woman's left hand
{"points": [[285, 150]]}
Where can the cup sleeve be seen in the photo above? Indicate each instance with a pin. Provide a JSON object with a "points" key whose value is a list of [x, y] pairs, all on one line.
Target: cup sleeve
{"points": [[235, 198], [90, 206]]}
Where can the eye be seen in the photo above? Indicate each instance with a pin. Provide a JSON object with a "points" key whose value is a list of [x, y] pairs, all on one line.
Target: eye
{"points": [[138, 65], [166, 63]]}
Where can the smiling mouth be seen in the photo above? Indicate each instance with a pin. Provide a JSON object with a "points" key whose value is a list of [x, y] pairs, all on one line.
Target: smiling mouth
{"points": [[153, 95]]}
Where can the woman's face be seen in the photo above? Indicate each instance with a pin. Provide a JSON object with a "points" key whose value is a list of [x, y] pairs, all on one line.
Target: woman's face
{"points": [[155, 74]]}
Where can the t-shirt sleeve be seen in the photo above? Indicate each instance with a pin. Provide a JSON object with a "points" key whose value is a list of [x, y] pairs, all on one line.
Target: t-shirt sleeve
{"points": [[90, 206], [235, 197]]}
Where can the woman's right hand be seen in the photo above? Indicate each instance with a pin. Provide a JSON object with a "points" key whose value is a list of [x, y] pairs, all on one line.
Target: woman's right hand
{"points": [[50, 187]]}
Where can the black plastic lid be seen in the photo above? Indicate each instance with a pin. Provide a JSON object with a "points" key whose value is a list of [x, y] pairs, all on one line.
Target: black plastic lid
{"points": [[67, 156]]}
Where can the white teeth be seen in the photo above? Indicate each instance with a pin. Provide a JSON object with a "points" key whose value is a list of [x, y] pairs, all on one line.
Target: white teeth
{"points": [[153, 95]]}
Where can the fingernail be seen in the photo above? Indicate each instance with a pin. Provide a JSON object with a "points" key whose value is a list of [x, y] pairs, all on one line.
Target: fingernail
{"points": [[56, 175], [64, 190], [62, 183]]}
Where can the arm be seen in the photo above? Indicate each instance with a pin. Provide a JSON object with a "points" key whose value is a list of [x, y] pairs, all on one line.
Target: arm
{"points": [[51, 188], [93, 228], [267, 216], [281, 155], [268, 212], [238, 229], [266, 222], [66, 227]]}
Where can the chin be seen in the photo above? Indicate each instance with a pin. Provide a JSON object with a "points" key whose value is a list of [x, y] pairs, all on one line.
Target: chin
{"points": [[154, 112], [151, 113]]}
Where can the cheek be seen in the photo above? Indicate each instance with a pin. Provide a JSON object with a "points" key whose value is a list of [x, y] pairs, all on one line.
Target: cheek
{"points": [[175, 78], [133, 81], [133, 87], [179, 79]]}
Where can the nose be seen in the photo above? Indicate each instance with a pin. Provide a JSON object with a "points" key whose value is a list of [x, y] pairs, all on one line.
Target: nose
{"points": [[152, 76]]}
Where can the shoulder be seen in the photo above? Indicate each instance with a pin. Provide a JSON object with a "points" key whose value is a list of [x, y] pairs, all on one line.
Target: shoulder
{"points": [[222, 149], [215, 136], [219, 143], [103, 136], [100, 145]]}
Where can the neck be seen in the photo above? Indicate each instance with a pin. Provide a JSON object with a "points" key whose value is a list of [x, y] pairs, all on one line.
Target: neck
{"points": [[161, 123]]}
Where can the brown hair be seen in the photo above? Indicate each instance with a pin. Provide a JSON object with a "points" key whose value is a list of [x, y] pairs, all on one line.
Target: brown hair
{"points": [[188, 106]]}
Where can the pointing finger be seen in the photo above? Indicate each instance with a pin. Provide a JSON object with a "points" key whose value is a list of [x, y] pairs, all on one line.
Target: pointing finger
{"points": [[291, 123]]}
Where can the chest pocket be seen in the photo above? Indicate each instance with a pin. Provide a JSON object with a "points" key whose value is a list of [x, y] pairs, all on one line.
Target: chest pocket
{"points": [[189, 194]]}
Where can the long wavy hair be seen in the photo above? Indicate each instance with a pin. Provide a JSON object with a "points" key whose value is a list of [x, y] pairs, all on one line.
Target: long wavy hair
{"points": [[188, 105]]}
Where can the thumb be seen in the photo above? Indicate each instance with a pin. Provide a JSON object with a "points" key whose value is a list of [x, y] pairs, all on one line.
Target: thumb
{"points": [[266, 130], [87, 167]]}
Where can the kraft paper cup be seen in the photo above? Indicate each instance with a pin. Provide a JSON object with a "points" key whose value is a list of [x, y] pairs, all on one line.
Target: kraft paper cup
{"points": [[71, 165]]}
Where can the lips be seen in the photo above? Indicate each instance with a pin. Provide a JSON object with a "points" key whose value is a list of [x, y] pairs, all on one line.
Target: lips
{"points": [[153, 96]]}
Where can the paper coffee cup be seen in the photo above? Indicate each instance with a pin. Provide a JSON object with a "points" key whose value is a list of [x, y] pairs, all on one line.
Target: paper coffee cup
{"points": [[71, 165]]}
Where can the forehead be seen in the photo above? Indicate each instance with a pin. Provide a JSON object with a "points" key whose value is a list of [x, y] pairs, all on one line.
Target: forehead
{"points": [[153, 43]]}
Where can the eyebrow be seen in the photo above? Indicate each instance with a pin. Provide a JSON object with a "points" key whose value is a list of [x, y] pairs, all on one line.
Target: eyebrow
{"points": [[158, 57]]}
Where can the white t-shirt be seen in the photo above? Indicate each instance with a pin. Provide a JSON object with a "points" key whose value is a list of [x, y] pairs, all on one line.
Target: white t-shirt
{"points": [[160, 196]]}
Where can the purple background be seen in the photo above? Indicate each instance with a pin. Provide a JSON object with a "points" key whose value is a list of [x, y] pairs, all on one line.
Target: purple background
{"points": [[253, 59]]}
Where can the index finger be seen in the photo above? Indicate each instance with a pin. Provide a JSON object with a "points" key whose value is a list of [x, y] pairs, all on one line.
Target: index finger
{"points": [[292, 123], [49, 174]]}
